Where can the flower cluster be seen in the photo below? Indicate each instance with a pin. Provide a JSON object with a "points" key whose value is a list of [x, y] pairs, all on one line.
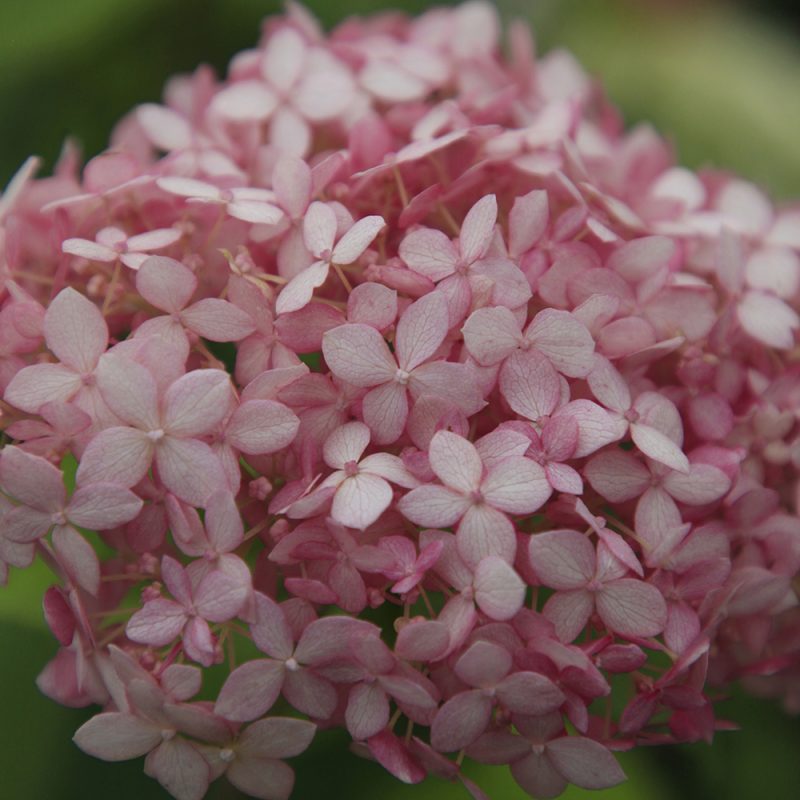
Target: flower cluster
{"points": [[391, 372]]}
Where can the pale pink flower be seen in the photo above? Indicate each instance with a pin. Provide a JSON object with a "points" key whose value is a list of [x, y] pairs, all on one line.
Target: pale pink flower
{"points": [[43, 507], [328, 245], [77, 334], [248, 204], [544, 762], [461, 269], [216, 597], [475, 498], [358, 354], [488, 668], [565, 560], [163, 430], [169, 285], [112, 243], [252, 761], [361, 485]]}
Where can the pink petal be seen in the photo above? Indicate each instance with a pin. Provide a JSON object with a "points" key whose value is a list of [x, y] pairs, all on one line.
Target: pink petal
{"points": [[426, 640], [596, 427], [455, 461], [632, 608], [217, 320], [618, 476], [430, 253], [516, 486], [454, 382], [569, 612], [114, 736], [367, 711], [702, 484], [346, 444], [188, 187], [499, 591], [357, 239], [360, 500], [189, 469], [359, 355], [659, 447], [484, 531], [32, 480], [250, 690], [291, 180], [265, 778], [100, 506], [421, 330], [244, 101], [564, 478], [77, 557], [388, 751], [608, 386], [484, 664], [478, 228], [277, 737], [271, 632], [433, 506], [154, 240], [75, 330], [130, 391], [310, 694], [529, 693], [158, 622], [527, 221], [385, 410], [89, 250], [261, 426], [372, 304], [116, 455], [197, 402], [562, 559], [165, 283], [298, 292], [640, 258], [529, 384], [219, 597], [585, 763], [537, 776], [460, 721], [319, 230], [565, 341], [389, 467], [255, 212], [22, 525], [768, 319], [165, 128], [38, 384], [180, 769], [491, 334]]}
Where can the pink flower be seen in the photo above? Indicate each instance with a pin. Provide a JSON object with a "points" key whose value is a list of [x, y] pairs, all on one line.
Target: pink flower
{"points": [[477, 499], [565, 560], [113, 243], [328, 246], [215, 598], [358, 354], [163, 430]]}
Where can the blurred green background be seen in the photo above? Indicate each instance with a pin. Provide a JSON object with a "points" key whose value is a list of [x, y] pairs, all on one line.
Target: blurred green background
{"points": [[721, 80]]}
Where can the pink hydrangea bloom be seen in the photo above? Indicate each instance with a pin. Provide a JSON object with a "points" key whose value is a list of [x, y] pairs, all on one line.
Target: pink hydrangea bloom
{"points": [[424, 333]]}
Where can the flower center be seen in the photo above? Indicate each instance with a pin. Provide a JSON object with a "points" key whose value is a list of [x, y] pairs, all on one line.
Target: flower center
{"points": [[351, 469], [292, 665], [226, 755], [402, 377], [155, 435]]}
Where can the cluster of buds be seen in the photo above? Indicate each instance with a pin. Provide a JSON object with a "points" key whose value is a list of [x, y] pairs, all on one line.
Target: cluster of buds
{"points": [[393, 373]]}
